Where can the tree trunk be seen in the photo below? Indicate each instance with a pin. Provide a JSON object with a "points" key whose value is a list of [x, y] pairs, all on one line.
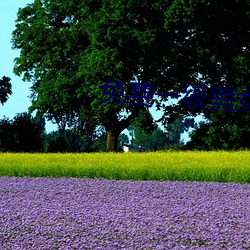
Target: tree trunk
{"points": [[112, 141], [115, 127]]}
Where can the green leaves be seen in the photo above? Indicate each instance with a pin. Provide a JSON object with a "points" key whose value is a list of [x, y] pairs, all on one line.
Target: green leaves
{"points": [[72, 48], [5, 89], [22, 134]]}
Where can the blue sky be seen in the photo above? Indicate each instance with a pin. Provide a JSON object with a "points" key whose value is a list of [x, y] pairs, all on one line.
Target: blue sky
{"points": [[19, 101]]}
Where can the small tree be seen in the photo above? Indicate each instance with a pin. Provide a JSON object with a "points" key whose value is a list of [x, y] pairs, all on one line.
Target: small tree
{"points": [[154, 140], [123, 139], [22, 134], [5, 89]]}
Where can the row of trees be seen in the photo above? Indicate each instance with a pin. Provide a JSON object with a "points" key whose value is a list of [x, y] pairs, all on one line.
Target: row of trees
{"points": [[25, 133]]}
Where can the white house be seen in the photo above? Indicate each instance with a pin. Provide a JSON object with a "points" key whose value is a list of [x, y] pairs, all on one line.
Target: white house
{"points": [[133, 148]]}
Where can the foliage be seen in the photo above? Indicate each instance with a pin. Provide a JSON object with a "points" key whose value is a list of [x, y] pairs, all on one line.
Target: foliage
{"points": [[209, 56], [5, 89], [64, 141], [22, 134], [180, 125], [144, 124], [70, 140], [123, 139], [215, 37], [215, 166], [99, 144], [72, 53], [70, 49], [157, 139], [221, 134], [144, 121]]}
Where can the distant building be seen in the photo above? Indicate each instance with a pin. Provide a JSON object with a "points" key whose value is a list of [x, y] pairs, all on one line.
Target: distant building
{"points": [[133, 148]]}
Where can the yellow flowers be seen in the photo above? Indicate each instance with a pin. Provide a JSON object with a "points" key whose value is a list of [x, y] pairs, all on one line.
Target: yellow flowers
{"points": [[170, 165]]}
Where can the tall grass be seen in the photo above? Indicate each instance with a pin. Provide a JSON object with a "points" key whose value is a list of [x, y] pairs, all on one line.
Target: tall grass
{"points": [[219, 166]]}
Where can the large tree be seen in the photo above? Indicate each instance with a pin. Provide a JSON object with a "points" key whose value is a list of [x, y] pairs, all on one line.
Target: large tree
{"points": [[69, 49], [211, 39], [215, 36]]}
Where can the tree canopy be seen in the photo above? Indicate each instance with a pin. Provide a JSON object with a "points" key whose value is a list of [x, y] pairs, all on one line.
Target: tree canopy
{"points": [[5, 89], [70, 49], [156, 138], [22, 134]]}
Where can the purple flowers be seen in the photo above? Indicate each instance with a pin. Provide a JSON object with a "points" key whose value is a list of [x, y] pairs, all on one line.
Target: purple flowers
{"points": [[68, 213]]}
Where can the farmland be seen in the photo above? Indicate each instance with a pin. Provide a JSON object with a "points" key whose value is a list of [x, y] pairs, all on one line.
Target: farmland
{"points": [[160, 200], [73, 213], [215, 166]]}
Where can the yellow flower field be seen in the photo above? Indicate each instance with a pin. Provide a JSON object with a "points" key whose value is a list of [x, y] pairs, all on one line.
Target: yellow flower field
{"points": [[222, 166]]}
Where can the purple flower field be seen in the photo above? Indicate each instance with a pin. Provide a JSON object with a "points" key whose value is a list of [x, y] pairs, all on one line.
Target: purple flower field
{"points": [[68, 213]]}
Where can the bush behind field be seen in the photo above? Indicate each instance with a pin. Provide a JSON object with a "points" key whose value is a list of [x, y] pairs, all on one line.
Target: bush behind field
{"points": [[217, 166]]}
